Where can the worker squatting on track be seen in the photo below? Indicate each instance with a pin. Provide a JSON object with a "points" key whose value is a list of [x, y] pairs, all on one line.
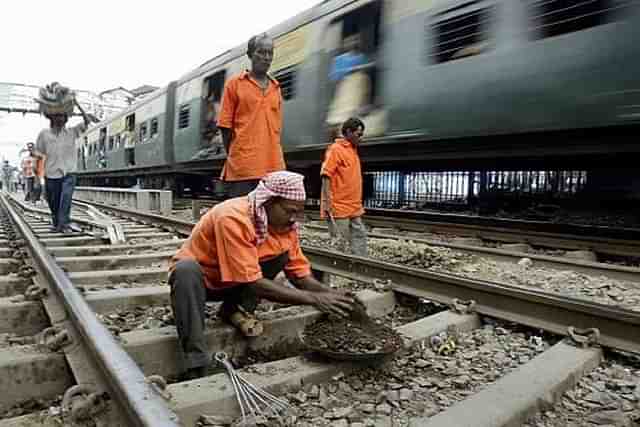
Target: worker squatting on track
{"points": [[233, 255], [250, 122]]}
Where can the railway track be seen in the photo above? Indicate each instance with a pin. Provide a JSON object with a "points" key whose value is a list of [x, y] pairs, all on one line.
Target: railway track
{"points": [[118, 285], [602, 243]]}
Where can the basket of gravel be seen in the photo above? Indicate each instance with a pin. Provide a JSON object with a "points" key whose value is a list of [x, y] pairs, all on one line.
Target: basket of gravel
{"points": [[356, 338]]}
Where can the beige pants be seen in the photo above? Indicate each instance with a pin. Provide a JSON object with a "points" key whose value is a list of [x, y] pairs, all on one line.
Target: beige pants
{"points": [[351, 231]]}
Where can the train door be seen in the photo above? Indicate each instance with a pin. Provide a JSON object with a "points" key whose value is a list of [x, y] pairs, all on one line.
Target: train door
{"points": [[353, 44], [130, 140], [213, 86], [102, 148]]}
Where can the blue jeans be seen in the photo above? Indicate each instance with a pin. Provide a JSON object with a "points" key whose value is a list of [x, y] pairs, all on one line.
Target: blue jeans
{"points": [[59, 194]]}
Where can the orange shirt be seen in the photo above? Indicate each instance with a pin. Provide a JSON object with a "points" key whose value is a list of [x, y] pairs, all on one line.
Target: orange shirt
{"points": [[255, 117], [223, 242], [27, 167], [342, 165]]}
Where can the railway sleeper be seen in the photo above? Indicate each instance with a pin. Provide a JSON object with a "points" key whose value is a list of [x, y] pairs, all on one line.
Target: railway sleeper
{"points": [[28, 372]]}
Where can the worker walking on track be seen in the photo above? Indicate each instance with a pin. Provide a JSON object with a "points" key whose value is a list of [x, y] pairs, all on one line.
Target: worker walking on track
{"points": [[341, 194], [57, 146], [250, 121], [28, 172], [233, 254]]}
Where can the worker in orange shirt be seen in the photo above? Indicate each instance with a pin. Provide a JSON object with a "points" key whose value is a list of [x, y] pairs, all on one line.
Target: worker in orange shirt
{"points": [[250, 122], [341, 194], [233, 254]]}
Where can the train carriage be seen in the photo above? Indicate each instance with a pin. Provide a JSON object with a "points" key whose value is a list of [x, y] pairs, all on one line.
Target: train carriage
{"points": [[447, 84]]}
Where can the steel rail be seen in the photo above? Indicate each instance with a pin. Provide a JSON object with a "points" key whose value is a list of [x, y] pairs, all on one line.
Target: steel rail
{"points": [[143, 405], [602, 231], [579, 241], [112, 229], [613, 271], [619, 329]]}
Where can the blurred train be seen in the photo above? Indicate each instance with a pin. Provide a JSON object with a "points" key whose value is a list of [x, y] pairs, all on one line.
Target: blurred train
{"points": [[452, 85]]}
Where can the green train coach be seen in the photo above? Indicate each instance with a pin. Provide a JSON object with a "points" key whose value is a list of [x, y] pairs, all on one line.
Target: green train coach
{"points": [[448, 84]]}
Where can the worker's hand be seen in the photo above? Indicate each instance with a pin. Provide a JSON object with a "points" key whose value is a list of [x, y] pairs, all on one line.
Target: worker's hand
{"points": [[326, 207], [335, 303]]}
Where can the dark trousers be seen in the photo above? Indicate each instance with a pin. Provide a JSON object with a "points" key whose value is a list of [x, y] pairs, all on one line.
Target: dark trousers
{"points": [[188, 298], [28, 191], [59, 195], [239, 188]]}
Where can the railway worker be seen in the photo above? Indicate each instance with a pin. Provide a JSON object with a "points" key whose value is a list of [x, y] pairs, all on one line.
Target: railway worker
{"points": [[250, 121], [233, 254], [57, 147], [341, 194], [28, 172]]}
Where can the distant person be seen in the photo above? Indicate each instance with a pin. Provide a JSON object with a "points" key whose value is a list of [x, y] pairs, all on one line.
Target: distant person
{"points": [[7, 172], [28, 172], [58, 148], [250, 121], [233, 255], [38, 183], [341, 195]]}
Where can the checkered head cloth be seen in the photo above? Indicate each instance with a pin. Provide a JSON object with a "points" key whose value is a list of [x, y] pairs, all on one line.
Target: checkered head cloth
{"points": [[288, 185]]}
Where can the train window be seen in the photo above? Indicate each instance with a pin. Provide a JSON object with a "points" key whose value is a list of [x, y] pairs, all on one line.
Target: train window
{"points": [[287, 79], [183, 117], [461, 36], [154, 128], [111, 142], [118, 141], [554, 17], [143, 132]]}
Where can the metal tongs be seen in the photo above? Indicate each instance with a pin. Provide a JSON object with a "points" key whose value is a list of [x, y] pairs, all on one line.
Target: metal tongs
{"points": [[251, 397]]}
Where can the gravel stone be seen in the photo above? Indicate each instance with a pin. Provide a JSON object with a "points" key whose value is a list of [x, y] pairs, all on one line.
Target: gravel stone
{"points": [[599, 289], [607, 396]]}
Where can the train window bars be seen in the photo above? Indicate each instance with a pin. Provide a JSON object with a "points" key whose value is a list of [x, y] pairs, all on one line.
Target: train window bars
{"points": [[183, 116], [460, 36], [287, 79], [551, 18]]}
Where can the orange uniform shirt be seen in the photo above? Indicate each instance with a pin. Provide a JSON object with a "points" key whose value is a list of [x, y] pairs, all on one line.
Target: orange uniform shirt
{"points": [[255, 117], [223, 242], [342, 165]]}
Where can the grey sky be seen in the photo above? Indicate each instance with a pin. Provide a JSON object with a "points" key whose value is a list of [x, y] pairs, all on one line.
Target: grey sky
{"points": [[96, 46]]}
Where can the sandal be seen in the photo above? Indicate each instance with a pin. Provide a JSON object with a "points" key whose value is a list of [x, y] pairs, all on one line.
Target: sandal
{"points": [[247, 323]]}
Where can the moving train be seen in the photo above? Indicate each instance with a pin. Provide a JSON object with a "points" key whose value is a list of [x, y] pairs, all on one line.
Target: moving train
{"points": [[451, 85]]}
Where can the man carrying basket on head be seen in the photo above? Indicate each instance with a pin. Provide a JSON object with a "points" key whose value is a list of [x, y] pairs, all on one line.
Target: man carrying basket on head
{"points": [[56, 146]]}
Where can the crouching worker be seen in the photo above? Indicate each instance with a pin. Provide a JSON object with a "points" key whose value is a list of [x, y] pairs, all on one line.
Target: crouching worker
{"points": [[233, 254]]}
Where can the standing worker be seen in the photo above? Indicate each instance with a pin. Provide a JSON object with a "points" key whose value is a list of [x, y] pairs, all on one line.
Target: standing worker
{"points": [[58, 148], [341, 195], [233, 254], [250, 121], [28, 172]]}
